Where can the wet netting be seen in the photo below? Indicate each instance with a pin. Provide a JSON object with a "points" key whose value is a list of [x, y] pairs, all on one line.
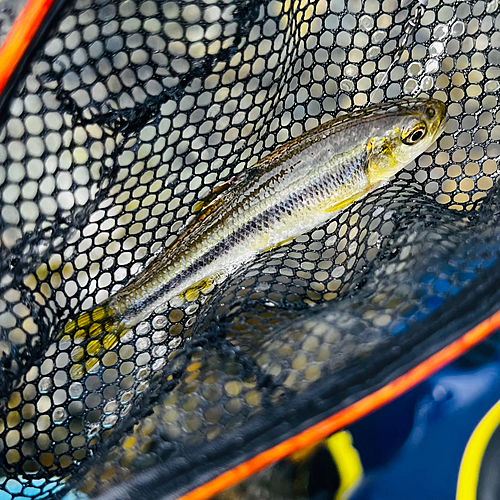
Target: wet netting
{"points": [[130, 112]]}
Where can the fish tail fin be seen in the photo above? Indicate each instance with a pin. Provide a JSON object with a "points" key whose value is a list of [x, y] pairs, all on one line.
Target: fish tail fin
{"points": [[92, 335]]}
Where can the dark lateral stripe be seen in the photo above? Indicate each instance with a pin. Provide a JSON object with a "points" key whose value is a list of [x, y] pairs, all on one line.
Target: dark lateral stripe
{"points": [[258, 223]]}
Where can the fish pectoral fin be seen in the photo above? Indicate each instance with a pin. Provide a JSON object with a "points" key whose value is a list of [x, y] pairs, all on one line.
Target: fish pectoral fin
{"points": [[281, 243], [92, 334], [204, 286], [339, 205]]}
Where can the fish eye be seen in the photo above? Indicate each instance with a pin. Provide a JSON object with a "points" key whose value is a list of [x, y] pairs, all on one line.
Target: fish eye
{"points": [[414, 135], [430, 113]]}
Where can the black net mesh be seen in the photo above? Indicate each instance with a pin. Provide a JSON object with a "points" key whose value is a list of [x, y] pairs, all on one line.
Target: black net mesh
{"points": [[132, 111]]}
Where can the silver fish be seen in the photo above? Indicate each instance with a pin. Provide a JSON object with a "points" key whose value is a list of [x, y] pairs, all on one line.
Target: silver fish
{"points": [[288, 193]]}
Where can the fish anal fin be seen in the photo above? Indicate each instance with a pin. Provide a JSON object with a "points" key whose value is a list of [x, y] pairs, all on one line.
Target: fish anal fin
{"points": [[92, 335], [203, 286]]}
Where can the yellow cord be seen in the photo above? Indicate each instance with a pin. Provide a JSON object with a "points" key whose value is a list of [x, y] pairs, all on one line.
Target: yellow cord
{"points": [[348, 463], [468, 476]]}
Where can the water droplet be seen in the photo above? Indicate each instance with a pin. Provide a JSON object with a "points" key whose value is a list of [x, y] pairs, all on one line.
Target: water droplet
{"points": [[45, 385], [378, 36], [491, 86], [159, 351], [142, 344], [159, 364], [160, 322], [427, 83], [347, 85], [59, 415], [414, 69], [192, 308], [409, 86], [159, 336], [492, 6], [142, 386], [143, 373], [458, 28], [380, 78], [93, 430], [350, 71], [441, 31], [366, 23], [175, 343], [75, 390], [372, 53], [126, 397], [111, 407], [432, 66], [125, 410], [436, 49], [127, 337], [110, 421], [143, 328]]}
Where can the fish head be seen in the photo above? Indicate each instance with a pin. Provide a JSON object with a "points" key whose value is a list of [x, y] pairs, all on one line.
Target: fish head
{"points": [[409, 129]]}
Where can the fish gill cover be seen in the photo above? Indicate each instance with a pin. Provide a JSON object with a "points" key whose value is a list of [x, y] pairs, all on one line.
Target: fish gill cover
{"points": [[128, 113]]}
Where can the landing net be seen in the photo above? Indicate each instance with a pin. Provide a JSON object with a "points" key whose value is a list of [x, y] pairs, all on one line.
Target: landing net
{"points": [[130, 112]]}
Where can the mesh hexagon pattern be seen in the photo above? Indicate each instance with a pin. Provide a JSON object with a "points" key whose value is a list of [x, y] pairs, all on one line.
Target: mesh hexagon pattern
{"points": [[129, 113]]}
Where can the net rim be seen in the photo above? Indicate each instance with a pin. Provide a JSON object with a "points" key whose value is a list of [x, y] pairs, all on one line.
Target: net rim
{"points": [[14, 54], [468, 322], [29, 26]]}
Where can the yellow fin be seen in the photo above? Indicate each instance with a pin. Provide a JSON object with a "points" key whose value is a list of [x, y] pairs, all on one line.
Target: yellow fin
{"points": [[203, 286], [93, 334], [281, 243], [345, 203]]}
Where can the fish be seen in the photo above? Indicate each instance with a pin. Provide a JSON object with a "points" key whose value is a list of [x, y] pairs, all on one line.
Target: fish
{"points": [[298, 187]]}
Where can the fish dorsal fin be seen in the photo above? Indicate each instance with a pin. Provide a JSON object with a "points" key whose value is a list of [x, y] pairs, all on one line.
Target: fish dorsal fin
{"points": [[214, 196], [210, 198]]}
